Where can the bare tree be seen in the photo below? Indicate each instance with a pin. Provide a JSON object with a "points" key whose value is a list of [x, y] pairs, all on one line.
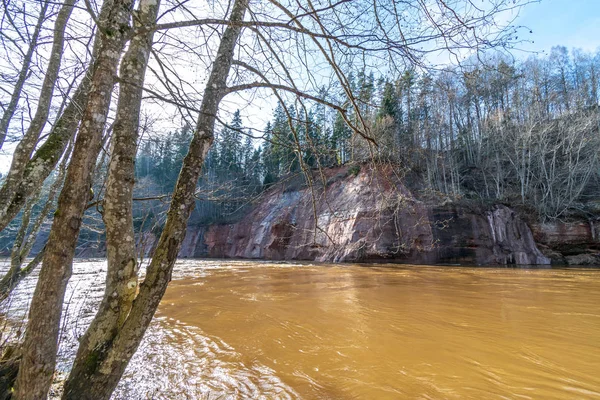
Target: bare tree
{"points": [[106, 374], [121, 281], [25, 71], [34, 161], [44, 160], [41, 337], [27, 144], [27, 234]]}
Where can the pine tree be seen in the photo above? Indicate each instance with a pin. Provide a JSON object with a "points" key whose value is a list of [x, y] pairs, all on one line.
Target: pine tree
{"points": [[270, 163], [284, 141], [230, 155]]}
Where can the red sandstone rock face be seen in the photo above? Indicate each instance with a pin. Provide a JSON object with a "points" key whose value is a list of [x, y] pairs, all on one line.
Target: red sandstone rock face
{"points": [[570, 242], [372, 216], [564, 233]]}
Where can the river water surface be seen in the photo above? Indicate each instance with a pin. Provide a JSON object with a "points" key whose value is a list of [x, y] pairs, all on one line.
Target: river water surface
{"points": [[233, 329]]}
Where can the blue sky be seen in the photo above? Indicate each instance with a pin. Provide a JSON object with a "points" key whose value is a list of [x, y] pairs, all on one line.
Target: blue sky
{"points": [[570, 23]]}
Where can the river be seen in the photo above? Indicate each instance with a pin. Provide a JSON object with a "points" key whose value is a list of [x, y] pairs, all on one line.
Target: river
{"points": [[239, 329]]}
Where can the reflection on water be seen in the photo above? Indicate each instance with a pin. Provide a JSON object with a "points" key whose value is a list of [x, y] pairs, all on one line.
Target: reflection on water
{"points": [[258, 330], [183, 362]]}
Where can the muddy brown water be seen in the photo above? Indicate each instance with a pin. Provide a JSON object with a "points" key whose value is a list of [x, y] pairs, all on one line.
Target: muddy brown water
{"points": [[236, 329]]}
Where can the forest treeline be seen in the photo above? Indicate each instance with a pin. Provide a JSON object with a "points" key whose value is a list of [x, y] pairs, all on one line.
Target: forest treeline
{"points": [[523, 132], [520, 132]]}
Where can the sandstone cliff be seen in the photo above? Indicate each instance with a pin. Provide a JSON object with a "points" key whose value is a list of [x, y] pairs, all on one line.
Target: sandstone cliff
{"points": [[366, 217], [569, 242]]}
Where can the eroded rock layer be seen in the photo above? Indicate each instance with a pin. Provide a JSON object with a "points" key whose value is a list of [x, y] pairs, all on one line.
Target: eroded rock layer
{"points": [[365, 217]]}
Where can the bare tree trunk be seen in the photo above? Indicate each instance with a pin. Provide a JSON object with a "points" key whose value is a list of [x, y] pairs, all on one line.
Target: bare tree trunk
{"points": [[121, 279], [14, 277], [9, 280], [26, 146], [45, 158], [24, 242], [110, 368], [10, 109], [41, 336]]}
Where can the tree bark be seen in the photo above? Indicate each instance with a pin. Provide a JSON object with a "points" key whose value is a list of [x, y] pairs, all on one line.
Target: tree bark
{"points": [[121, 279], [41, 336], [111, 366]]}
